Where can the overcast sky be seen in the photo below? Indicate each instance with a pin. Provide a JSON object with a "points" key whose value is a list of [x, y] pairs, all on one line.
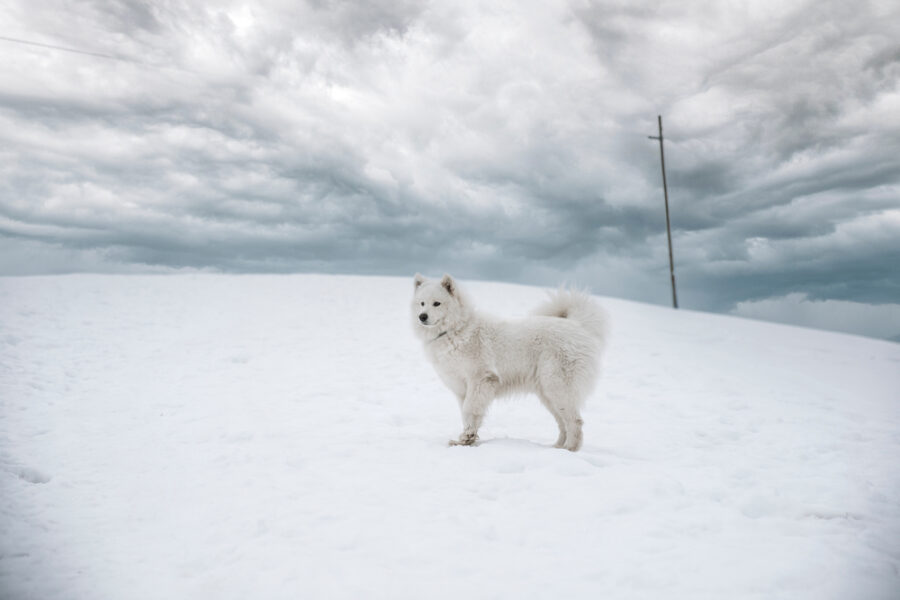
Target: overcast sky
{"points": [[492, 140]]}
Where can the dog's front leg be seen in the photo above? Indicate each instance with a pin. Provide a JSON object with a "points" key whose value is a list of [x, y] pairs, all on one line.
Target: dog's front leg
{"points": [[478, 396]]}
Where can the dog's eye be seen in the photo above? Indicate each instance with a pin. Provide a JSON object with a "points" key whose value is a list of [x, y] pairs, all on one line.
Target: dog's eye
{"points": [[436, 304], [422, 303]]}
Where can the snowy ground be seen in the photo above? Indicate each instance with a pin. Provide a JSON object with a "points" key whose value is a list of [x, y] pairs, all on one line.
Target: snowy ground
{"points": [[283, 437]]}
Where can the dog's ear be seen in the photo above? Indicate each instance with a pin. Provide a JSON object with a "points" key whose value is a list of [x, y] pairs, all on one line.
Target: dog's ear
{"points": [[449, 285], [418, 280]]}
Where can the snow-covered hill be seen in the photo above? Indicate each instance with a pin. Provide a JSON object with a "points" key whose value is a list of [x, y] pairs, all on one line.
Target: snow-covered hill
{"points": [[266, 437]]}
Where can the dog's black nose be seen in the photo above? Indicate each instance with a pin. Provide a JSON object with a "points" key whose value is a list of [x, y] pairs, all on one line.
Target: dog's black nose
{"points": [[423, 317]]}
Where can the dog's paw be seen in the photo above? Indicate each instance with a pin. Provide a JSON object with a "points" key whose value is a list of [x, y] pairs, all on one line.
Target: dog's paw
{"points": [[573, 446], [465, 439]]}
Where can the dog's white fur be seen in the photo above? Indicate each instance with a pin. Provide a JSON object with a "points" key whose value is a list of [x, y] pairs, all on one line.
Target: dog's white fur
{"points": [[553, 353]]}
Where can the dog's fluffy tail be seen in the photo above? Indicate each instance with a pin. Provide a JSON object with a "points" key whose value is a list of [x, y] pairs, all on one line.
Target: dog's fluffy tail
{"points": [[579, 307]]}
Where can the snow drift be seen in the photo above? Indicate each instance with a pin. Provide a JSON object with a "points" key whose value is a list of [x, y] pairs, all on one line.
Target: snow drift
{"points": [[212, 436]]}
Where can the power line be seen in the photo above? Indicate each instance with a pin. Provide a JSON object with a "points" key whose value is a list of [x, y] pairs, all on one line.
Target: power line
{"points": [[125, 59], [63, 48]]}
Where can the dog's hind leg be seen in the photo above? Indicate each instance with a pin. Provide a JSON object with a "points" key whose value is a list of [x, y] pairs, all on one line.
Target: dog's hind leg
{"points": [[574, 435], [561, 440], [561, 397], [571, 423]]}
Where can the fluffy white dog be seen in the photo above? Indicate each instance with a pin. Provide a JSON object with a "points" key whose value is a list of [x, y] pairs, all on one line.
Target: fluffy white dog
{"points": [[553, 353]]}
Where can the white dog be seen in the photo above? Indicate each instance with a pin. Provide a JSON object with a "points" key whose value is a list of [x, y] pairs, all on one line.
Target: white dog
{"points": [[554, 353]]}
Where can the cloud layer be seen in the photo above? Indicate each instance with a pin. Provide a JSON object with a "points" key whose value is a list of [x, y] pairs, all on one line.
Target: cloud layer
{"points": [[504, 141]]}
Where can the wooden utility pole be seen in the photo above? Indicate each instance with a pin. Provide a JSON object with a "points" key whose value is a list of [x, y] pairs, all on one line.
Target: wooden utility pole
{"points": [[662, 159]]}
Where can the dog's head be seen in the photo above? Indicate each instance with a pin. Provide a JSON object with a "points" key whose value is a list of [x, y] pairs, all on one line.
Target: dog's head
{"points": [[436, 306]]}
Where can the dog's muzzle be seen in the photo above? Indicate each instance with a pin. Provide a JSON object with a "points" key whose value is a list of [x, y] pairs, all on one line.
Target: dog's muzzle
{"points": [[423, 317]]}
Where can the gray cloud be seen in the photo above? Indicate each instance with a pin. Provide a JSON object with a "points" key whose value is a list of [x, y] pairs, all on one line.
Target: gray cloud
{"points": [[851, 317], [493, 142]]}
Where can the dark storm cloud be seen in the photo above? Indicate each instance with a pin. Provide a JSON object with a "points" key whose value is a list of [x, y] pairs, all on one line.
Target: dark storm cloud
{"points": [[505, 142]]}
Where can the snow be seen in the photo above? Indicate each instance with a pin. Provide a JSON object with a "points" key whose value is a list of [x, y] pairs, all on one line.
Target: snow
{"points": [[224, 436]]}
